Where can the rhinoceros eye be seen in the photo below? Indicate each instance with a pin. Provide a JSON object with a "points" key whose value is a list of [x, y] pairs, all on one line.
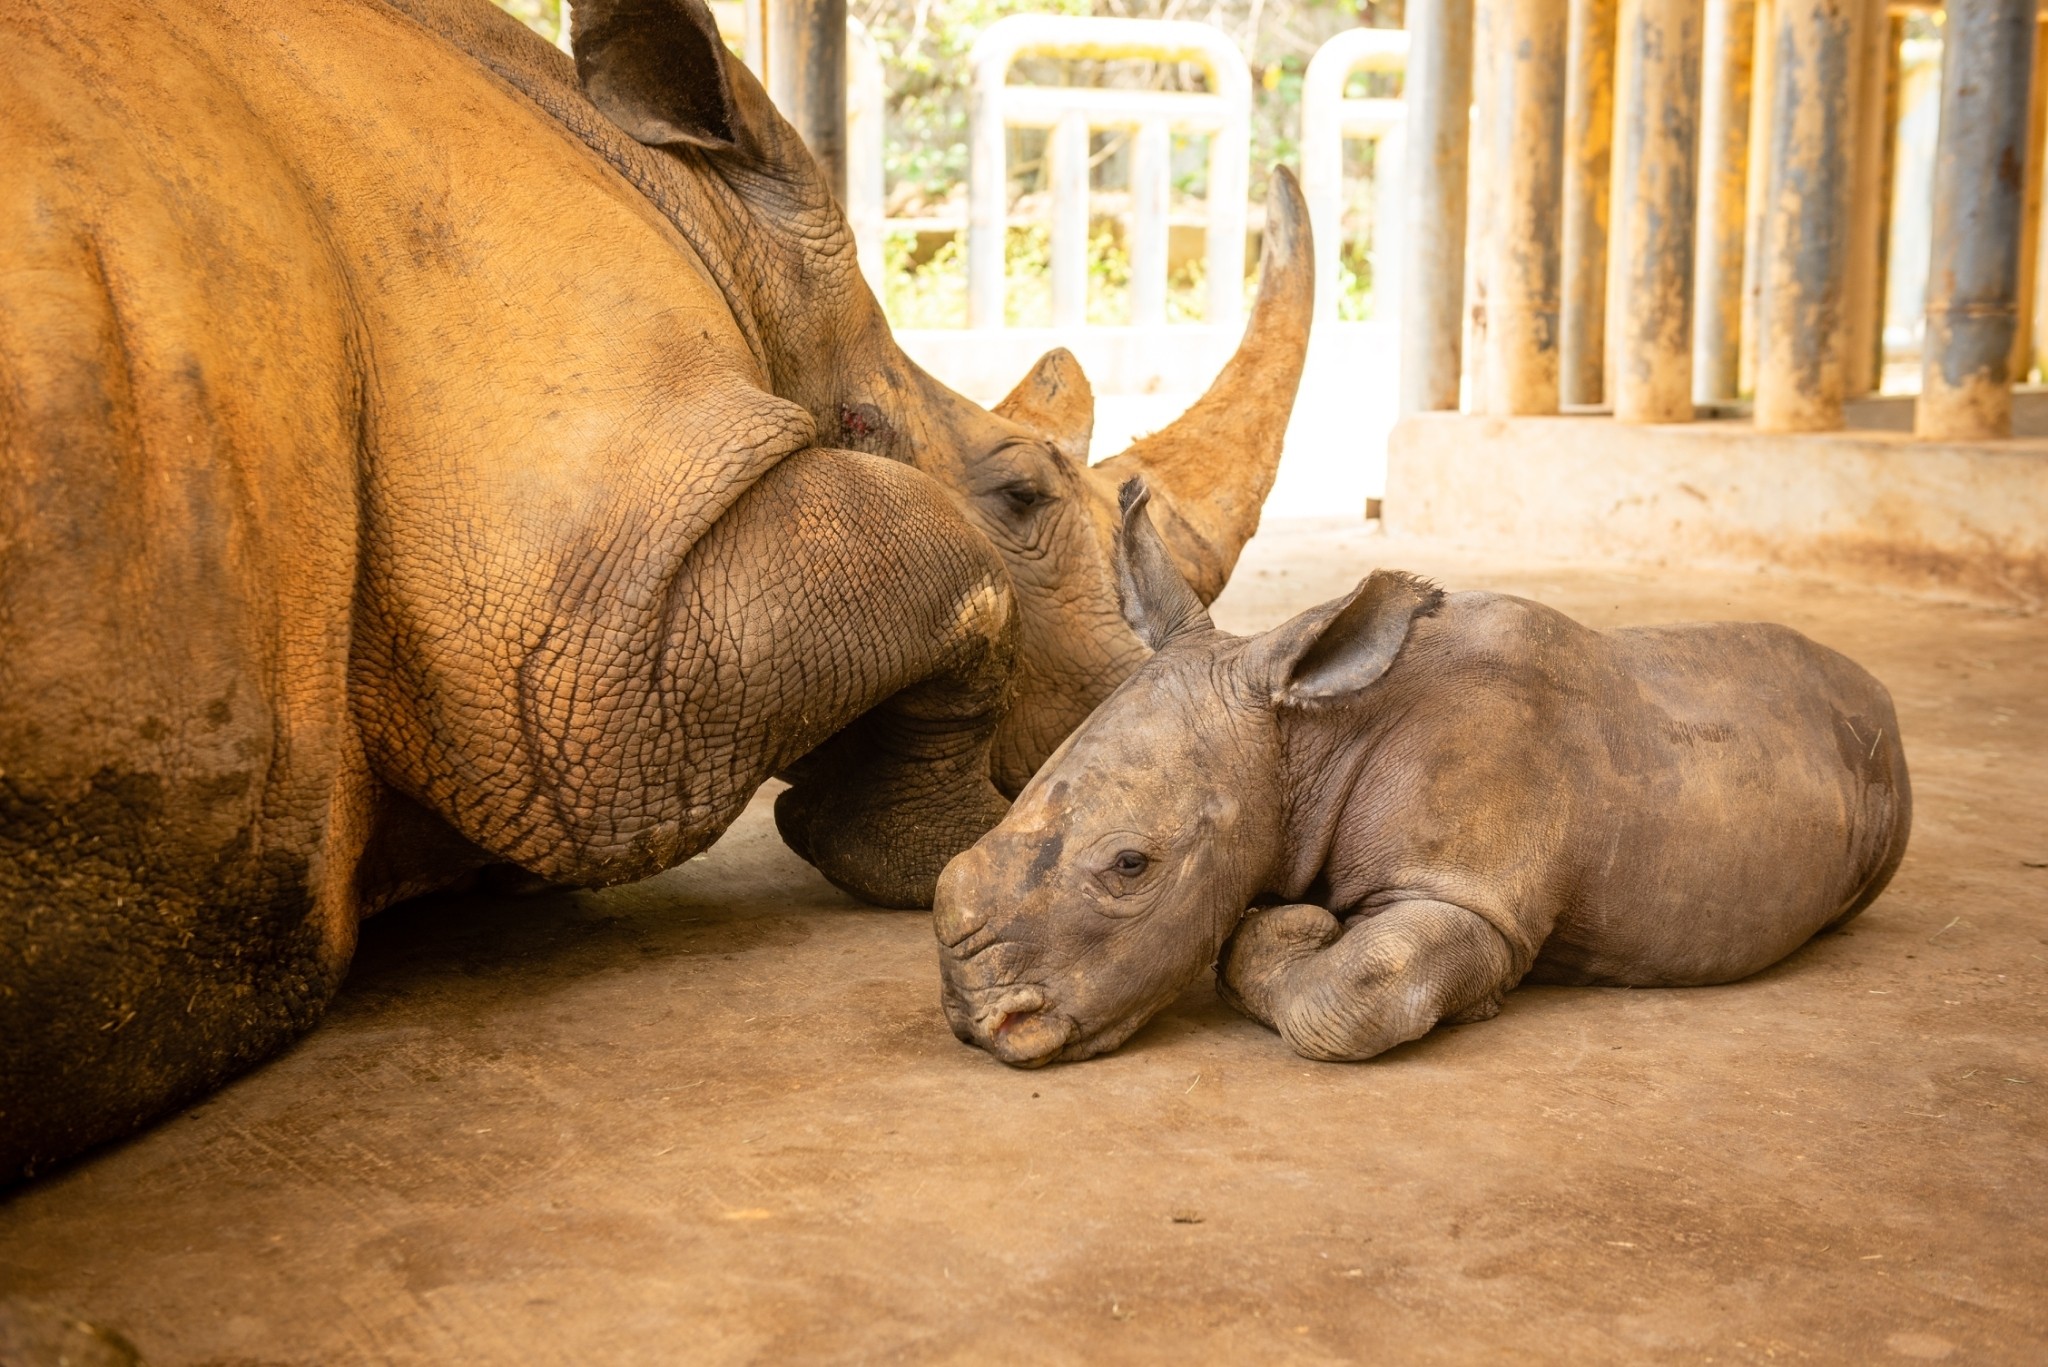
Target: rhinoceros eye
{"points": [[1131, 863], [1022, 498]]}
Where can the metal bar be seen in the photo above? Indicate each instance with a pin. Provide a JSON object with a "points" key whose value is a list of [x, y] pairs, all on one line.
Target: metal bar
{"points": [[1805, 211], [1439, 96], [1863, 300], [1482, 190], [1150, 188], [807, 78], [1389, 247], [1894, 83], [1067, 151], [865, 184], [1230, 156], [1723, 218], [1756, 184], [1980, 158], [1043, 106], [2030, 212], [988, 201], [993, 103], [1524, 124], [1658, 122], [1327, 117], [1588, 148]]}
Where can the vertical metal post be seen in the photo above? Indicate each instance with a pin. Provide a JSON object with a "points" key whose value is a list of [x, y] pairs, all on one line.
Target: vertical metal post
{"points": [[1658, 125], [1979, 179], [1389, 247], [1067, 153], [1588, 146], [988, 203], [1863, 302], [1150, 184], [807, 78], [1482, 189], [2030, 211], [1755, 185], [1724, 186], [1439, 97], [1524, 126], [1805, 211], [1887, 190]]}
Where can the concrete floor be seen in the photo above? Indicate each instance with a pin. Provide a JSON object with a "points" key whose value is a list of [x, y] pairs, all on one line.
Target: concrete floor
{"points": [[716, 1117]]}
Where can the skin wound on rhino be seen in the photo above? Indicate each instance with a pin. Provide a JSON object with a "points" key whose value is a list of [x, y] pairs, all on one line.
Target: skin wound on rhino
{"points": [[1365, 731]]}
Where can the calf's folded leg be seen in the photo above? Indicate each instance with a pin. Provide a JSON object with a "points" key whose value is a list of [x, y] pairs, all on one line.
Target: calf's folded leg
{"points": [[1337, 991]]}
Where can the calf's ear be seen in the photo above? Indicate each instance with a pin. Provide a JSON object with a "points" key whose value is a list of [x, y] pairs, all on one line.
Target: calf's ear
{"points": [[1311, 661], [657, 69], [1155, 599]]}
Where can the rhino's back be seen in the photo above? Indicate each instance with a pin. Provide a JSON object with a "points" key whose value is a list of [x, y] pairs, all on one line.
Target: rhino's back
{"points": [[1776, 803], [1655, 806]]}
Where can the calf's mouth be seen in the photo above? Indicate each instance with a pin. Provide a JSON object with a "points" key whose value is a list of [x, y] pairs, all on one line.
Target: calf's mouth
{"points": [[1015, 1023]]}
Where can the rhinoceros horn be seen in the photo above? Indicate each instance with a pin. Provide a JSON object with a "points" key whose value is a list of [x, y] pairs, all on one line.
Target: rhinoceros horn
{"points": [[1212, 467]]}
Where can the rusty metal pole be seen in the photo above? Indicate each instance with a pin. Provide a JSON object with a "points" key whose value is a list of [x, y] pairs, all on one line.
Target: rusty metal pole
{"points": [[1723, 219], [1755, 186], [1483, 191], [807, 78], [1657, 126], [1863, 300], [1980, 163], [1524, 125], [1439, 100], [1806, 233], [1588, 147], [2030, 212]]}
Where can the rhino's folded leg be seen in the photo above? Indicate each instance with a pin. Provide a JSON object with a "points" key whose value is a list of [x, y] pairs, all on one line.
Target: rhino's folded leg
{"points": [[882, 806], [884, 634], [1337, 991]]}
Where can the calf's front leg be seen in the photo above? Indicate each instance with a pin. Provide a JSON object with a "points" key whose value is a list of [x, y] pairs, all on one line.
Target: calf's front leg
{"points": [[1338, 990]]}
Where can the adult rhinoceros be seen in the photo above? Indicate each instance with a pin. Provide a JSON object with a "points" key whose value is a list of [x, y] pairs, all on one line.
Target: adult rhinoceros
{"points": [[419, 453]]}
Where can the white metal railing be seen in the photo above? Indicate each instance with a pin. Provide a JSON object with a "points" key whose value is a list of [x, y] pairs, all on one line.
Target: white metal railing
{"points": [[1069, 113], [1327, 118]]}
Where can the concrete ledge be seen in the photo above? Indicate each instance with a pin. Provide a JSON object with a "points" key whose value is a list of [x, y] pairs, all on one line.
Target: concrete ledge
{"points": [[1965, 521]]}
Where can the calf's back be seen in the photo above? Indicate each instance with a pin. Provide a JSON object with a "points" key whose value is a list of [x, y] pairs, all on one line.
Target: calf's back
{"points": [[1658, 806]]}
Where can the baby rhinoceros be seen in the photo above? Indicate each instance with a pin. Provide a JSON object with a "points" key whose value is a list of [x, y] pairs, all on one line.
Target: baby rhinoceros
{"points": [[1425, 799]]}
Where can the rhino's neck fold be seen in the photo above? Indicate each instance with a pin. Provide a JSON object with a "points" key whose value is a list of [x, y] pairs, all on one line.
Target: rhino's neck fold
{"points": [[1324, 757]]}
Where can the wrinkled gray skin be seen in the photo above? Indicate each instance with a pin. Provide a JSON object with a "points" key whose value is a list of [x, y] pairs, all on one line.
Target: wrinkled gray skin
{"points": [[419, 452], [1424, 799]]}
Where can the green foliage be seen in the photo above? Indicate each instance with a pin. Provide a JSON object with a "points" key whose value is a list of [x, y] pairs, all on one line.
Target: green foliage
{"points": [[542, 16]]}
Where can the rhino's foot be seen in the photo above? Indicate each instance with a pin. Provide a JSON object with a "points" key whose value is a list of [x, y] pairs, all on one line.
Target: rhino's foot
{"points": [[883, 843]]}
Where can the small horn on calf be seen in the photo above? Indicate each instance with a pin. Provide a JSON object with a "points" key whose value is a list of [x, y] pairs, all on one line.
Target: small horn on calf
{"points": [[1213, 467]]}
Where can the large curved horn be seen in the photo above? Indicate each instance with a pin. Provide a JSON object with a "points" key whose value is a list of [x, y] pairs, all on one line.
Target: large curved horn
{"points": [[1212, 468]]}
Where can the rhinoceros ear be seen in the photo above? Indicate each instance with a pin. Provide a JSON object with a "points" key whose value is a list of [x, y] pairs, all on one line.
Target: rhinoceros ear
{"points": [[1056, 401], [1155, 599], [1319, 658], [656, 68]]}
